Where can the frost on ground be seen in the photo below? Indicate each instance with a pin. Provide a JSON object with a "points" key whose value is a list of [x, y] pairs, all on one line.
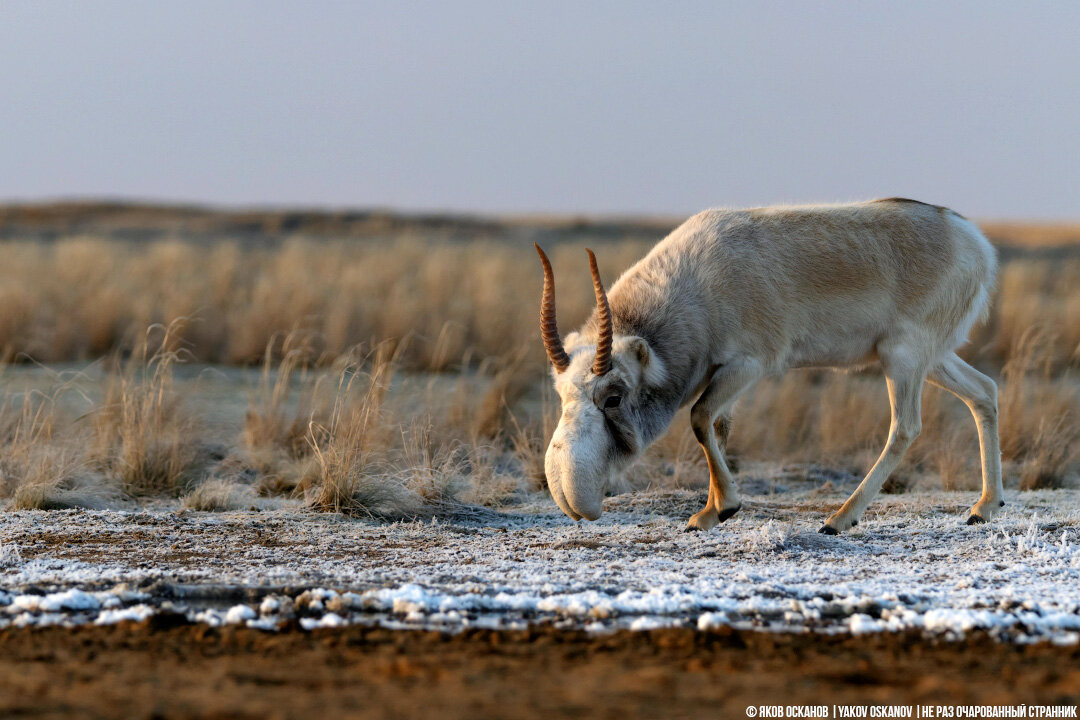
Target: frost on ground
{"points": [[911, 564]]}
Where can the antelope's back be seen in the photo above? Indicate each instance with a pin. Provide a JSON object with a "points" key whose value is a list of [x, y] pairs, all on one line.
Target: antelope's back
{"points": [[831, 271]]}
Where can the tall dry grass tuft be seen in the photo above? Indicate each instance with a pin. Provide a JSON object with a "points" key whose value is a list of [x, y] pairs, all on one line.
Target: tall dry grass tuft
{"points": [[274, 440], [30, 469], [350, 471], [43, 462], [437, 473], [1039, 418], [529, 439], [510, 381], [386, 449], [144, 435], [1034, 293], [269, 422], [1053, 452]]}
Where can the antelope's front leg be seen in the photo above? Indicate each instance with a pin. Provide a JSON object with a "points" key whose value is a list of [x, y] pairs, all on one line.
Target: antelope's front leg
{"points": [[724, 499]]}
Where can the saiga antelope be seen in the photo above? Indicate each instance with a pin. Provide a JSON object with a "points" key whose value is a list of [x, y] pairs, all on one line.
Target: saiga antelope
{"points": [[731, 296]]}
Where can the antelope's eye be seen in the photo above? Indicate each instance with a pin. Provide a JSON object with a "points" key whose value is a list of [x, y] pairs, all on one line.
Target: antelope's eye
{"points": [[613, 401]]}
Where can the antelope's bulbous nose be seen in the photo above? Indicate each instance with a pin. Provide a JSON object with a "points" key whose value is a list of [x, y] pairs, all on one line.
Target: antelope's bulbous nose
{"points": [[577, 487]]}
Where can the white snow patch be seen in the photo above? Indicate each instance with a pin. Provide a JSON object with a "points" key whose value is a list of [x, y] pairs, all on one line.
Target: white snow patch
{"points": [[239, 614], [712, 620], [136, 613], [68, 600], [330, 620], [860, 623], [73, 599], [270, 605], [963, 620], [264, 623], [652, 623], [211, 617]]}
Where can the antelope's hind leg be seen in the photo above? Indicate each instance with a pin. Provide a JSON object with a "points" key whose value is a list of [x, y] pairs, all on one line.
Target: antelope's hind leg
{"points": [[979, 393], [711, 422], [905, 391]]}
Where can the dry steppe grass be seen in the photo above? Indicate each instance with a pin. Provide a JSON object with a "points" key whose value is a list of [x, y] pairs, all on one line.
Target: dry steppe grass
{"points": [[344, 329], [86, 297]]}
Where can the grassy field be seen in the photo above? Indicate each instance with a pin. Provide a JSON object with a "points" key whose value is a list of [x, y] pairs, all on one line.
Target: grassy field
{"points": [[395, 367]]}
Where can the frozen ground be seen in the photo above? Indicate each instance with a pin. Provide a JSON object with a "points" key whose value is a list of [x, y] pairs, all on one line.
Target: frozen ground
{"points": [[911, 563]]}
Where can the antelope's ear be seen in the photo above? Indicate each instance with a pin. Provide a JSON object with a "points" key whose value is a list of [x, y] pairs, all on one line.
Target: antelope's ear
{"points": [[638, 351]]}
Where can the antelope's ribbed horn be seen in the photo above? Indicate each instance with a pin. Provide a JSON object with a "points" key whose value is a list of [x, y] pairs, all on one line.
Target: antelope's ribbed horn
{"points": [[605, 329], [548, 329]]}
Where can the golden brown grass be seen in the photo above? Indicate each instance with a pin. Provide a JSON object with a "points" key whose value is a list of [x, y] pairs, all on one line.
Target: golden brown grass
{"points": [[818, 416], [1039, 413], [144, 434], [1033, 235], [85, 297], [1034, 294], [43, 458], [388, 456], [347, 448]]}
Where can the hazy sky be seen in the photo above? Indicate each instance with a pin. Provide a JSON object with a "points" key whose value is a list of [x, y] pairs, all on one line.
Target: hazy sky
{"points": [[597, 107]]}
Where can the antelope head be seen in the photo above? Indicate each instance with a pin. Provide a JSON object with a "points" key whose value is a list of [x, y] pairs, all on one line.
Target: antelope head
{"points": [[603, 381]]}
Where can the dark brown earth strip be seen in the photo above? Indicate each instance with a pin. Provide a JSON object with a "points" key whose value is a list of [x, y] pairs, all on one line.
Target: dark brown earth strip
{"points": [[152, 670]]}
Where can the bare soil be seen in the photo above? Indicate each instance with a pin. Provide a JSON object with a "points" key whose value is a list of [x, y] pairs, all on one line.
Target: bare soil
{"points": [[165, 668]]}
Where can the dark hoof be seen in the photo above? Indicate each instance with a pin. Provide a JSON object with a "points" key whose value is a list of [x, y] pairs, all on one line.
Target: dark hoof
{"points": [[725, 514], [974, 519], [854, 523], [828, 530], [1001, 504]]}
